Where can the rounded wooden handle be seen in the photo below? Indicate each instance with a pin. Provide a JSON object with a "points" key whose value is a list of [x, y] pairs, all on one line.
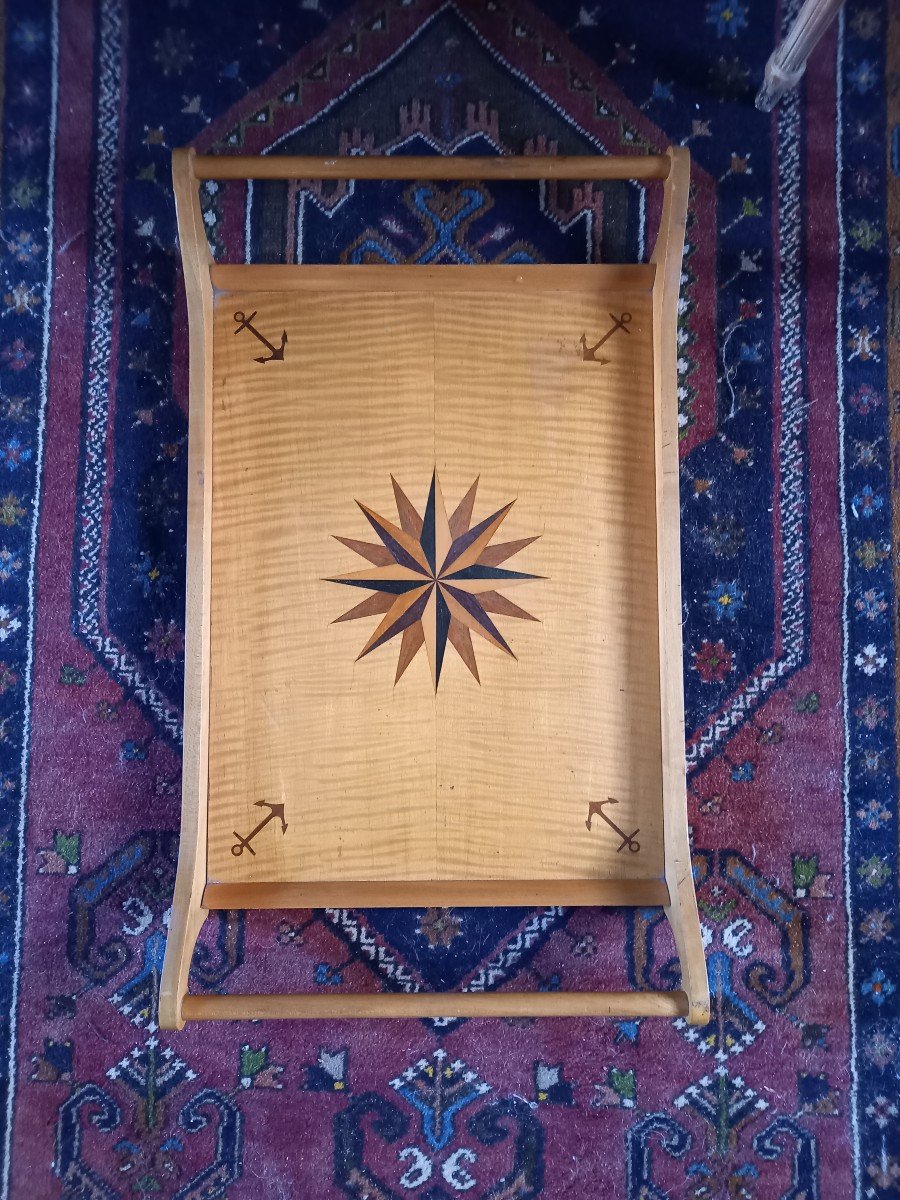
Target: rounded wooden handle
{"points": [[376, 166], [435, 1004]]}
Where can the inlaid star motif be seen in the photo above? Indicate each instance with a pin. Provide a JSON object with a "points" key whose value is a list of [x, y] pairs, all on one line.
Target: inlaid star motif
{"points": [[435, 579]]}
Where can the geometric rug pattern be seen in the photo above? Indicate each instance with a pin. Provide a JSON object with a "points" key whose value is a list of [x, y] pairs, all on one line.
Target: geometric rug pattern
{"points": [[789, 377]]}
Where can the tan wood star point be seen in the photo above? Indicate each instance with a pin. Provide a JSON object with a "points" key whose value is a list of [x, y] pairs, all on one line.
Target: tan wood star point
{"points": [[435, 579]]}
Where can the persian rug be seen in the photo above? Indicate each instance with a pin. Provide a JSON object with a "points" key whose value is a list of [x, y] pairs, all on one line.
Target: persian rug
{"points": [[789, 383]]}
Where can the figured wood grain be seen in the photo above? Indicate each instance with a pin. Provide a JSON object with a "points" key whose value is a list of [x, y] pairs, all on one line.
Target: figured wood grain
{"points": [[383, 781]]}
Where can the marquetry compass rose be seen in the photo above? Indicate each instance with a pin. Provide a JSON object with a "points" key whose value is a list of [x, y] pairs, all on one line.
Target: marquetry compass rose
{"points": [[435, 579]]}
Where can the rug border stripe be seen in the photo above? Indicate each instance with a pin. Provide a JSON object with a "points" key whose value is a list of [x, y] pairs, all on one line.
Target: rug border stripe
{"points": [[24, 764]]}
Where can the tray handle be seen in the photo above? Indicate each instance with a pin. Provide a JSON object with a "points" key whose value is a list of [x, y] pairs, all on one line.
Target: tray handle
{"points": [[377, 166], [249, 1007]]}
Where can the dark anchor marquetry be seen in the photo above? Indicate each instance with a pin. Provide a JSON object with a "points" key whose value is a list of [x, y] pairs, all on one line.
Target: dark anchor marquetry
{"points": [[276, 812], [628, 839], [276, 353], [435, 579], [589, 353]]}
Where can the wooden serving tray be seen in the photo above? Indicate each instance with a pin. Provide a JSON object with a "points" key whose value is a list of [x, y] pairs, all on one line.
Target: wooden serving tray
{"points": [[433, 615]]}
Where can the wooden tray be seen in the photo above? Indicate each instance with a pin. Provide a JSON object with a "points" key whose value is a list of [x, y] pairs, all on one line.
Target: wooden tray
{"points": [[433, 616]]}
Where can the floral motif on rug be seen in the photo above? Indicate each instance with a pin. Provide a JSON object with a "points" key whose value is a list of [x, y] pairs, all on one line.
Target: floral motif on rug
{"points": [[787, 365]]}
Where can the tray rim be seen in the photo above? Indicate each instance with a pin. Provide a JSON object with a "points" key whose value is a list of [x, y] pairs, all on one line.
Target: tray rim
{"points": [[501, 278], [450, 893]]}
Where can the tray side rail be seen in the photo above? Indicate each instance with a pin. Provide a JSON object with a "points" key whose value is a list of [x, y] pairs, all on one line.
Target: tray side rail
{"points": [[681, 910], [188, 912]]}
